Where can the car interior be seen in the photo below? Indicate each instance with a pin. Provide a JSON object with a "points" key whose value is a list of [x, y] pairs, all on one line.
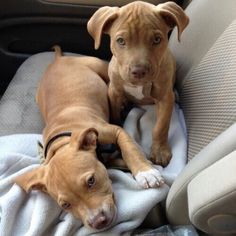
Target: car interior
{"points": [[204, 194]]}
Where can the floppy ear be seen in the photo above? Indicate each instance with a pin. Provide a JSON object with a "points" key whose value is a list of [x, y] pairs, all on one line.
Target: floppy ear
{"points": [[99, 21], [173, 16], [34, 179], [87, 140]]}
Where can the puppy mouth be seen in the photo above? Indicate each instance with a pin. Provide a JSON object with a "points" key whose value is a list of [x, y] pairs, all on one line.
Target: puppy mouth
{"points": [[138, 82], [134, 81]]}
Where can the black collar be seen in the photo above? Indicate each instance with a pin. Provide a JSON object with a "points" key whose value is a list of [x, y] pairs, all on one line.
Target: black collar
{"points": [[54, 138], [107, 148]]}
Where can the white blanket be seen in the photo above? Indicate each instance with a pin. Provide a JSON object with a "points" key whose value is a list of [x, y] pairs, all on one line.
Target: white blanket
{"points": [[37, 214]]}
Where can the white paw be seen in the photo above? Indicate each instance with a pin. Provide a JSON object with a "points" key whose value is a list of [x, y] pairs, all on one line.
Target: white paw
{"points": [[149, 179]]}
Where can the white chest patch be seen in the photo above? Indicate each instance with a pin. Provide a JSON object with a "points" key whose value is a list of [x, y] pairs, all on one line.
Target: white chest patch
{"points": [[135, 91]]}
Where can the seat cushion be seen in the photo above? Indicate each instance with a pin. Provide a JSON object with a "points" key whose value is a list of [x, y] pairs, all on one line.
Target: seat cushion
{"points": [[19, 112]]}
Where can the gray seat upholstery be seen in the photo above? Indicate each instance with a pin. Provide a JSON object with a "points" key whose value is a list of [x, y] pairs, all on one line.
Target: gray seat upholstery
{"points": [[19, 112], [206, 81]]}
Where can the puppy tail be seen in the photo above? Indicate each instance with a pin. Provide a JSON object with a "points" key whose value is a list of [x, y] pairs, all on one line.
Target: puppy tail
{"points": [[58, 52]]}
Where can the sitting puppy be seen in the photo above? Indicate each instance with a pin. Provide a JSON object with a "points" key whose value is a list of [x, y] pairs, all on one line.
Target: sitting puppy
{"points": [[142, 69], [73, 99]]}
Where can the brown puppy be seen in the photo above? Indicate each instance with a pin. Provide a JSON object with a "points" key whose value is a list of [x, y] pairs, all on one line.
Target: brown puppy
{"points": [[142, 68], [73, 100]]}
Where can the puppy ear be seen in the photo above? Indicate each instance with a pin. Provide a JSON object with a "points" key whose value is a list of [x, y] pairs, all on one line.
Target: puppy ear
{"points": [[87, 140], [34, 179], [173, 15], [99, 21]]}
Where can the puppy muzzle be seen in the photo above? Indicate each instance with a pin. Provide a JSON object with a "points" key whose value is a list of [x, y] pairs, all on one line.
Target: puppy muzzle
{"points": [[103, 218], [139, 71]]}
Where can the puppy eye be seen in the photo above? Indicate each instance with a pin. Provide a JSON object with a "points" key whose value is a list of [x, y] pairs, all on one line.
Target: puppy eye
{"points": [[157, 39], [91, 181], [120, 41], [65, 205]]}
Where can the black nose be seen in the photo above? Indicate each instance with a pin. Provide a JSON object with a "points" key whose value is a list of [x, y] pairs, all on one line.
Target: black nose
{"points": [[139, 71]]}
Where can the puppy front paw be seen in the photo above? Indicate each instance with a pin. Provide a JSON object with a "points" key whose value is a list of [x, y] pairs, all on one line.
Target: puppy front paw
{"points": [[160, 155], [149, 179]]}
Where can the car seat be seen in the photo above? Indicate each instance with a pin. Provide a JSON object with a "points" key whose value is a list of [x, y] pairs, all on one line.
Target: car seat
{"points": [[204, 193]]}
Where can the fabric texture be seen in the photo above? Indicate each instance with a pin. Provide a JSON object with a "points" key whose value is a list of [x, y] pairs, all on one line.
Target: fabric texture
{"points": [[140, 123], [206, 59], [37, 214], [19, 112], [206, 74], [208, 97], [208, 20]]}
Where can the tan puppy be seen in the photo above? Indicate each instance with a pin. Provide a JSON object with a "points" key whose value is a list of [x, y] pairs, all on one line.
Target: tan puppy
{"points": [[73, 99], [142, 69]]}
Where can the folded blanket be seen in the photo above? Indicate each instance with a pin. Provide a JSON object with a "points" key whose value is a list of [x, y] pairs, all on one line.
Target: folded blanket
{"points": [[37, 214]]}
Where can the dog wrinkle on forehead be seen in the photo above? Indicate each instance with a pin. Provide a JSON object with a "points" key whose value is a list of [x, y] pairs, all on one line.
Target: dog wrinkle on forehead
{"points": [[138, 24], [137, 7]]}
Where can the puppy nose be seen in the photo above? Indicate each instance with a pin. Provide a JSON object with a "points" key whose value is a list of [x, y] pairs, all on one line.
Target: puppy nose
{"points": [[139, 71], [99, 221]]}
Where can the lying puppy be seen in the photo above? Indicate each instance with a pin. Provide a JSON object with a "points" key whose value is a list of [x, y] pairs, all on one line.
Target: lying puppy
{"points": [[73, 100], [142, 69]]}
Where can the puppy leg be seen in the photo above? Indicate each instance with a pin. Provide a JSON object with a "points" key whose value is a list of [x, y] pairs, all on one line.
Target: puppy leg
{"points": [[117, 100], [160, 150], [145, 175]]}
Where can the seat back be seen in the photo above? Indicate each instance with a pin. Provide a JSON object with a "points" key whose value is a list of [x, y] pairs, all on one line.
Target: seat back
{"points": [[206, 71], [206, 81]]}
